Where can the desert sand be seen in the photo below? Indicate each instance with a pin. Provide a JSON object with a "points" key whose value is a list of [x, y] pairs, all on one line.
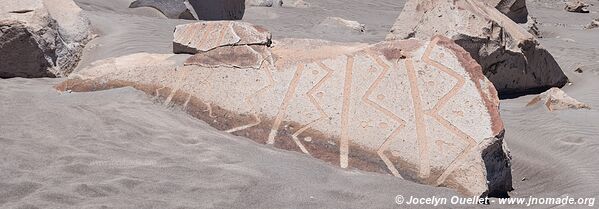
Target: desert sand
{"points": [[120, 149]]}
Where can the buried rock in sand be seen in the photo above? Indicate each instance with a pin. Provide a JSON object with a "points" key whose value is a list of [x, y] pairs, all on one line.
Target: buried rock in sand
{"points": [[295, 3], [556, 99], [337, 24], [41, 38], [421, 110], [511, 57], [594, 24]]}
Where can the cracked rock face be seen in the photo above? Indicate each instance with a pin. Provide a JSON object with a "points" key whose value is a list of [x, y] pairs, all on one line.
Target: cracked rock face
{"points": [[205, 36], [41, 38], [511, 57], [419, 110]]}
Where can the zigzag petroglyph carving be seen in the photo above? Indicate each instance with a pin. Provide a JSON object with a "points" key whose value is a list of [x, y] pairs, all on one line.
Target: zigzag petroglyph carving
{"points": [[421, 110]]}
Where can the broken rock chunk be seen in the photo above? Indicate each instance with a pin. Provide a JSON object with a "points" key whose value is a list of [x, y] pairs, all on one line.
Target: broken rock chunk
{"points": [[556, 99], [205, 36]]}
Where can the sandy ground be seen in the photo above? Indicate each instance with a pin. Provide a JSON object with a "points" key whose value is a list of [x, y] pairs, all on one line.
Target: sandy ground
{"points": [[119, 149]]}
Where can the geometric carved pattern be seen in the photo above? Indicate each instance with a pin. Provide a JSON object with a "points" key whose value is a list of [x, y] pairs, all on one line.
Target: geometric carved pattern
{"points": [[419, 113], [323, 102]]}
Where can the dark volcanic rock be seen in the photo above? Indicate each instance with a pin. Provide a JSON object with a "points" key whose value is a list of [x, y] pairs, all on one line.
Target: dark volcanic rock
{"points": [[218, 9], [21, 54], [41, 38]]}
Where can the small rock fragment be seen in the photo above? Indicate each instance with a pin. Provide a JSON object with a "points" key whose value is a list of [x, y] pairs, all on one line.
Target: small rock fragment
{"points": [[214, 34], [337, 23], [577, 6], [295, 3], [532, 25], [556, 99], [262, 3], [594, 24]]}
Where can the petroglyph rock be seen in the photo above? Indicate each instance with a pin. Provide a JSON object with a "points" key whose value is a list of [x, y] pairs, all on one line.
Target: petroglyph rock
{"points": [[514, 9], [556, 99], [205, 36], [511, 57], [577, 6], [217, 9], [421, 110], [41, 38], [173, 9], [232, 56]]}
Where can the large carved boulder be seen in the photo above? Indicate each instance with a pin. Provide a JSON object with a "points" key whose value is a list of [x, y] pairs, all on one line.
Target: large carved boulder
{"points": [[514, 9], [421, 110], [205, 36], [511, 57], [173, 9], [41, 38], [217, 9]]}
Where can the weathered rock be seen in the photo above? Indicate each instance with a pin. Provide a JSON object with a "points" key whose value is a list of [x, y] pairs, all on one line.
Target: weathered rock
{"points": [[295, 3], [215, 34], [514, 9], [594, 24], [217, 9], [173, 9], [421, 110], [339, 24], [556, 99], [577, 6], [41, 38], [511, 57]]}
